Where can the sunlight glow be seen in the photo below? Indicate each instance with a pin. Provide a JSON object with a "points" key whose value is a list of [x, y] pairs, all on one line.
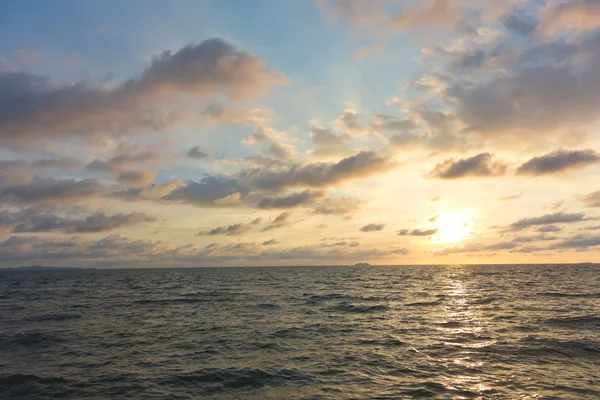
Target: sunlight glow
{"points": [[453, 227]]}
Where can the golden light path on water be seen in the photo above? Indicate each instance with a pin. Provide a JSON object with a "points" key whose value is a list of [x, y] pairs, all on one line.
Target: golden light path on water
{"points": [[464, 327]]}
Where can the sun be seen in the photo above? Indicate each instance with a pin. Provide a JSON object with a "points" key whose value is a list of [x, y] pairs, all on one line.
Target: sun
{"points": [[453, 227]]}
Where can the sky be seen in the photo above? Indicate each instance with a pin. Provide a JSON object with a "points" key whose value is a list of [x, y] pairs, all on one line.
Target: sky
{"points": [[229, 133]]}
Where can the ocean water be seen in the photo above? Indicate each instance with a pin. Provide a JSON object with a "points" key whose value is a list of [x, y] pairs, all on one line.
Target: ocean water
{"points": [[455, 332]]}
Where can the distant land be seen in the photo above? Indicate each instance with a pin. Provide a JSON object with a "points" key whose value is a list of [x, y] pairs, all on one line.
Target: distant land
{"points": [[41, 268], [362, 264]]}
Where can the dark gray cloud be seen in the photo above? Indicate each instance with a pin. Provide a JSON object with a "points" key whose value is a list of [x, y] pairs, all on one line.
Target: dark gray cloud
{"points": [[549, 228], [480, 166], [372, 227], [126, 160], [528, 95], [361, 165], [36, 108], [590, 228], [282, 151], [136, 178], [198, 152], [582, 241], [548, 219], [280, 221], [290, 200], [207, 191], [213, 190], [230, 230], [519, 22], [592, 199], [41, 190], [338, 206], [559, 161], [63, 164], [270, 242], [35, 219], [534, 238], [417, 232], [328, 143], [115, 249]]}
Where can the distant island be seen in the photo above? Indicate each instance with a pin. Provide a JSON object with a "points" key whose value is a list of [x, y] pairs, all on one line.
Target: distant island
{"points": [[41, 268], [362, 264]]}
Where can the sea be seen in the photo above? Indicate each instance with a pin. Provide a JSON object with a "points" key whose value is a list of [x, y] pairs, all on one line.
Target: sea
{"points": [[382, 332]]}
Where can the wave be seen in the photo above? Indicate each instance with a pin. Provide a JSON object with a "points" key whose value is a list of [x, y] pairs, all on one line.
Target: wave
{"points": [[390, 342], [21, 379], [211, 380], [52, 317], [358, 309], [571, 348], [485, 300], [28, 339], [576, 295], [425, 303], [166, 302], [587, 321], [267, 306]]}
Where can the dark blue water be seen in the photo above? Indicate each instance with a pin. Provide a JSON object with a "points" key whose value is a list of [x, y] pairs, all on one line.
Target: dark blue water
{"points": [[490, 332]]}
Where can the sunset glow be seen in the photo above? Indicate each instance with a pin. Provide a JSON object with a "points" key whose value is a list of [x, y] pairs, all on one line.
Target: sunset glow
{"points": [[224, 133]]}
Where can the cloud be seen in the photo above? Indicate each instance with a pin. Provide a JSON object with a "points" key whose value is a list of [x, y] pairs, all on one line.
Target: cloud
{"points": [[126, 160], [290, 200], [136, 178], [427, 14], [280, 221], [206, 191], [62, 164], [519, 23], [210, 191], [120, 251], [328, 143], [512, 197], [19, 171], [115, 249], [592, 199], [386, 123], [361, 165], [417, 232], [282, 151], [578, 242], [548, 219], [231, 230], [338, 206], [198, 153], [527, 97], [475, 248], [270, 242], [549, 228], [41, 190], [36, 108], [372, 227], [481, 165], [35, 219], [355, 13], [575, 15], [535, 238], [559, 161], [590, 228]]}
